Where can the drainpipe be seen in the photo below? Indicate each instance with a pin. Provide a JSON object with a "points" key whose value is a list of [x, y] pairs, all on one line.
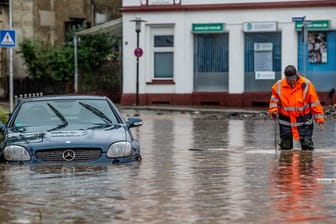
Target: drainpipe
{"points": [[93, 7], [11, 74]]}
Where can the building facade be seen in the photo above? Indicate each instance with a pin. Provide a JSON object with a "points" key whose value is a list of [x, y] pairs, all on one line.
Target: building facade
{"points": [[222, 52], [48, 21]]}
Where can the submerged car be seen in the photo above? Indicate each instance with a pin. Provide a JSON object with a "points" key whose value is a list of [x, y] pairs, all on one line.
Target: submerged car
{"points": [[68, 130]]}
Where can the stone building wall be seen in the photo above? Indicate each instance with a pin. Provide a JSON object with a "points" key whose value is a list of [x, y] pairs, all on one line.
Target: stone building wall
{"points": [[107, 9], [50, 17], [3, 51], [22, 19], [44, 21]]}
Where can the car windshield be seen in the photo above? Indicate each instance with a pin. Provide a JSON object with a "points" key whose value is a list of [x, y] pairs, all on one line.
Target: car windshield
{"points": [[50, 115]]}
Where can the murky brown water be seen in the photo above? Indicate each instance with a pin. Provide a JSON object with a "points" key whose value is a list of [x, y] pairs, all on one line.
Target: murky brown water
{"points": [[232, 175]]}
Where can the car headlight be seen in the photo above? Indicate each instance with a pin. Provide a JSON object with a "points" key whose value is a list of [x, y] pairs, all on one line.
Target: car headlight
{"points": [[119, 149], [16, 153]]}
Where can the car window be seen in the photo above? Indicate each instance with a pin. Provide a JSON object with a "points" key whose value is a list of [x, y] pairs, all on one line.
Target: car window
{"points": [[32, 114], [87, 112]]}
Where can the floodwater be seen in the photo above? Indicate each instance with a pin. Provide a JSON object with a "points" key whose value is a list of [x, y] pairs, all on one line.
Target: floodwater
{"points": [[200, 171]]}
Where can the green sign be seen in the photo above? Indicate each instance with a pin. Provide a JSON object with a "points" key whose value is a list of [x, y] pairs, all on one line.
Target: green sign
{"points": [[207, 27], [314, 25]]}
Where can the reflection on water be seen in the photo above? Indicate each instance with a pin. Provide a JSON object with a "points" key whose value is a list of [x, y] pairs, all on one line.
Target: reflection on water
{"points": [[297, 195], [234, 176]]}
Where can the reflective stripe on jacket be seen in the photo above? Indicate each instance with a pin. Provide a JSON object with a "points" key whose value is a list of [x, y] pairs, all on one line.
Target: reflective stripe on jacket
{"points": [[294, 102]]}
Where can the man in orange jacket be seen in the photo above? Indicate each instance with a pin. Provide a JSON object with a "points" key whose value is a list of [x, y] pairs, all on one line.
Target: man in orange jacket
{"points": [[295, 101]]}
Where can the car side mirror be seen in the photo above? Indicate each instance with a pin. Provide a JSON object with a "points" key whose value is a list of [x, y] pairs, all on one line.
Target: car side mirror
{"points": [[134, 122]]}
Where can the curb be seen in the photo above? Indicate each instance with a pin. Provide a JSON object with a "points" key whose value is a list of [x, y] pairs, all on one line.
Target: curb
{"points": [[194, 109], [182, 109]]}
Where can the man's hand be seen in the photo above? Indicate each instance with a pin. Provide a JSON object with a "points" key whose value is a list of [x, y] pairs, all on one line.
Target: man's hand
{"points": [[274, 114], [321, 126]]}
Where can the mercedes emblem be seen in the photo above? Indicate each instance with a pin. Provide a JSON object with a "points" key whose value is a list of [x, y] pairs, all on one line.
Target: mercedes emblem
{"points": [[69, 155]]}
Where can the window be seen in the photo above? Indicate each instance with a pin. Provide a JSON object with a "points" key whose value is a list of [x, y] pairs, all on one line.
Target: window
{"points": [[163, 53], [262, 60], [211, 62], [321, 72], [74, 23]]}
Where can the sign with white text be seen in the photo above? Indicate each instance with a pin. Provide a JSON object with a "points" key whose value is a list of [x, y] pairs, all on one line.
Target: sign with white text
{"points": [[207, 27], [260, 26]]}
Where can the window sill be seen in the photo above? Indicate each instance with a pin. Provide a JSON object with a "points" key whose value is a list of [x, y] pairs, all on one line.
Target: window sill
{"points": [[161, 82]]}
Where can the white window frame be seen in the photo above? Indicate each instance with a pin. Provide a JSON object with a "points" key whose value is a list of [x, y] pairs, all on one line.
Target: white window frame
{"points": [[156, 31]]}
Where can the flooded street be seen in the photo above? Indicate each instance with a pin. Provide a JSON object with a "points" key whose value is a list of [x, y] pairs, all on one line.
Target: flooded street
{"points": [[193, 171]]}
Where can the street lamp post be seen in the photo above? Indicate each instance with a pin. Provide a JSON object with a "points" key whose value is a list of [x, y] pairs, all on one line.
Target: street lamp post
{"points": [[138, 53]]}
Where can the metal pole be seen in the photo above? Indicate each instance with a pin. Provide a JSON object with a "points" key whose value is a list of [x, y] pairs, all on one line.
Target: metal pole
{"points": [[304, 33], [76, 64], [137, 72], [11, 75], [138, 22], [275, 133]]}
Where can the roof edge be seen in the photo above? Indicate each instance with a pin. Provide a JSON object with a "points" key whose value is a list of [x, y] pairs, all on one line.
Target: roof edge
{"points": [[112, 26]]}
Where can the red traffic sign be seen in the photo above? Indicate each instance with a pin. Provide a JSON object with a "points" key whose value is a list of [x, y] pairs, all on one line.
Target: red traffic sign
{"points": [[138, 52]]}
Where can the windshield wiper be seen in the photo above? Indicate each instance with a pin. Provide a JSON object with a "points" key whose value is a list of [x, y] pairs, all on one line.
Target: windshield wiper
{"points": [[60, 116], [96, 112]]}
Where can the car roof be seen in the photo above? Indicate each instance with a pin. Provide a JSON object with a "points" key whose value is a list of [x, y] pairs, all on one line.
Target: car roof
{"points": [[63, 97]]}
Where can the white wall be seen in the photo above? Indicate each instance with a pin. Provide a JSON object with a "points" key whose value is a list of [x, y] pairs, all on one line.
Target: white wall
{"points": [[195, 2], [183, 64], [236, 58], [188, 2]]}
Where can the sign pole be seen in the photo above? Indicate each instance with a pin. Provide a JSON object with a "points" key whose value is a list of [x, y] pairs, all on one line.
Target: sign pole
{"points": [[304, 33], [11, 75], [137, 71]]}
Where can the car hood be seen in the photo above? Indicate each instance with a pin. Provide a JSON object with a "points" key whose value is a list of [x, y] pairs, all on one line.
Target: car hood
{"points": [[86, 137]]}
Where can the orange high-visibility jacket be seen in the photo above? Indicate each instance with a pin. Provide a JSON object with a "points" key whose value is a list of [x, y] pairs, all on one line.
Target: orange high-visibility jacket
{"points": [[296, 101]]}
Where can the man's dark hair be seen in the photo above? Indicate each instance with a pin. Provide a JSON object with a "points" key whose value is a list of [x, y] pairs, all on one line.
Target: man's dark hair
{"points": [[290, 70]]}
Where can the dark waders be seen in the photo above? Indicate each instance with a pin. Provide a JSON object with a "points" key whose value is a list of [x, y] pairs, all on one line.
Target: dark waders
{"points": [[305, 128]]}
